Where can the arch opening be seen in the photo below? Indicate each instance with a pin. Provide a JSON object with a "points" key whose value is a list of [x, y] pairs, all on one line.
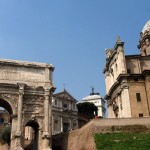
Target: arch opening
{"points": [[31, 135], [6, 106], [5, 122]]}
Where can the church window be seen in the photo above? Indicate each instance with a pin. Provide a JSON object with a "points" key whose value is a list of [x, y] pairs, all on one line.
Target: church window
{"points": [[128, 71], [138, 97], [55, 102], [55, 124], [135, 79], [73, 106], [140, 115], [116, 115], [65, 105], [74, 125]]}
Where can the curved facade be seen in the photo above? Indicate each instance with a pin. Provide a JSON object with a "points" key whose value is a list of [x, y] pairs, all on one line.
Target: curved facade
{"points": [[127, 79], [144, 42]]}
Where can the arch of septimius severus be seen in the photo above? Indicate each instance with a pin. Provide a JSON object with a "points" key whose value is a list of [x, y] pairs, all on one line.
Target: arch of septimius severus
{"points": [[25, 92]]}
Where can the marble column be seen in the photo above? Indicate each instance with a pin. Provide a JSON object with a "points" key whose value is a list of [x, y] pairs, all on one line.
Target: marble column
{"points": [[47, 124], [121, 107], [52, 124], [18, 134], [70, 123], [61, 119], [147, 89], [46, 112]]}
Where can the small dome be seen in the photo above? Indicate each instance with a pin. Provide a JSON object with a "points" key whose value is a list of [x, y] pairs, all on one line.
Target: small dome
{"points": [[91, 97], [146, 27]]}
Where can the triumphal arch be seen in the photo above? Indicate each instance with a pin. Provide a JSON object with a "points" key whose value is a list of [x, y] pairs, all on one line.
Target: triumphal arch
{"points": [[25, 92]]}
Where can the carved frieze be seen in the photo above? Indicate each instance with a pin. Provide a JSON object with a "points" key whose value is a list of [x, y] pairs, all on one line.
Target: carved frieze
{"points": [[33, 104], [24, 73], [13, 98], [33, 99]]}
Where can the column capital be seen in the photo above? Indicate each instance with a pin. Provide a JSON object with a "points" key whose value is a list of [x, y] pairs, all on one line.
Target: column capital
{"points": [[21, 87], [53, 89], [49, 90]]}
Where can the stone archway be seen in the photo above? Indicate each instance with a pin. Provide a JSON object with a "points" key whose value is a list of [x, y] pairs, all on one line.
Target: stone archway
{"points": [[6, 114], [6, 105], [32, 135], [25, 91]]}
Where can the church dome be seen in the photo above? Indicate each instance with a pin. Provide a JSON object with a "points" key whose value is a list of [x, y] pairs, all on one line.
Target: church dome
{"points": [[146, 27], [91, 97]]}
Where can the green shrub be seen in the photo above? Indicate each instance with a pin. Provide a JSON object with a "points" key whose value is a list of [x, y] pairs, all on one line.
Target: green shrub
{"points": [[6, 133]]}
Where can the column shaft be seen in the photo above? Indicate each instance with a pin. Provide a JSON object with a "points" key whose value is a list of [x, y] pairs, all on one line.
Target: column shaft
{"points": [[18, 133], [61, 124], [20, 103], [46, 114]]}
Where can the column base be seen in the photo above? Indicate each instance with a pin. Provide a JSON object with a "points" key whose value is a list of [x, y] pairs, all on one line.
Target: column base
{"points": [[18, 148], [46, 144]]}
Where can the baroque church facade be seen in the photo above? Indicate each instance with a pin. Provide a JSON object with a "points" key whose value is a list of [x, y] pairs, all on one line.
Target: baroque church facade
{"points": [[127, 79], [64, 112]]}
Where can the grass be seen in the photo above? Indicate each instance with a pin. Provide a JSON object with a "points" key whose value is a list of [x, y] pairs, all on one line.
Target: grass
{"points": [[122, 141]]}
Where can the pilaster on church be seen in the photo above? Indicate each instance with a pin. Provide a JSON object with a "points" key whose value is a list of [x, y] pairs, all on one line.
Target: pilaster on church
{"points": [[128, 74]]}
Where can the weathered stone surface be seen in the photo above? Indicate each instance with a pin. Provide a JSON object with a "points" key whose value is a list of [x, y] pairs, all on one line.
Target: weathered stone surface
{"points": [[25, 90], [127, 76], [83, 138]]}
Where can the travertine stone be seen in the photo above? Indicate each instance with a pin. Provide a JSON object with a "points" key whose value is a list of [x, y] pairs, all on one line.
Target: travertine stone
{"points": [[22, 88], [127, 76]]}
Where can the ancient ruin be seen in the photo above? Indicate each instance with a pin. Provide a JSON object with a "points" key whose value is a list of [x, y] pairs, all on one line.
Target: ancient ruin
{"points": [[25, 92]]}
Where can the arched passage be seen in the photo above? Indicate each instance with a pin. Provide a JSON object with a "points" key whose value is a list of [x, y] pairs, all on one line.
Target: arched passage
{"points": [[6, 113], [6, 105], [5, 119], [31, 135]]}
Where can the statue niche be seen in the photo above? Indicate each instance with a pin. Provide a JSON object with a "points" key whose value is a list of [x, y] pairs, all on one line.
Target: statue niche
{"points": [[147, 43], [144, 42]]}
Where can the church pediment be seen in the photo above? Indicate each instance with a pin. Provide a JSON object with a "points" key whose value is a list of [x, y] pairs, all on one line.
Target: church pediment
{"points": [[65, 95]]}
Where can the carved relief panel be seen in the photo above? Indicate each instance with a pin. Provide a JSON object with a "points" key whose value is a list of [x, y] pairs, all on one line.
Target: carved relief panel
{"points": [[33, 104]]}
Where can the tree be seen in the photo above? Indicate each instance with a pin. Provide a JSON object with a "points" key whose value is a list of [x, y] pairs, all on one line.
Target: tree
{"points": [[88, 109], [6, 132]]}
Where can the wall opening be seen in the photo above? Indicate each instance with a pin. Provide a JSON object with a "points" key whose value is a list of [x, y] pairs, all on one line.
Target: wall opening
{"points": [[31, 135], [5, 121]]}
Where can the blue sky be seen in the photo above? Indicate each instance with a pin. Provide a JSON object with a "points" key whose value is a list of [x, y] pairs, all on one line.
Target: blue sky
{"points": [[72, 35]]}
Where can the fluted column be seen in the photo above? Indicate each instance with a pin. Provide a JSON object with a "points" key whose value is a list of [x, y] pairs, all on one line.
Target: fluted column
{"points": [[120, 105], [61, 120], [47, 119], [147, 89], [70, 123], [46, 111], [19, 117]]}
